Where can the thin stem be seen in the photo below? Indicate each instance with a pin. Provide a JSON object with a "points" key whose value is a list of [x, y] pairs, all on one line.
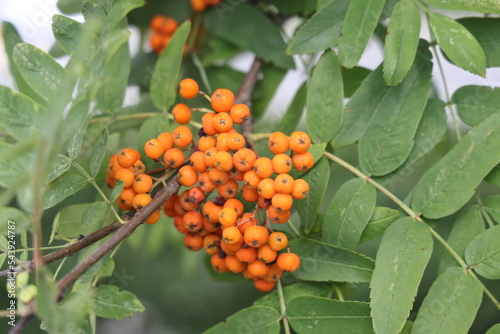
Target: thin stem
{"points": [[112, 119], [201, 69], [259, 136], [59, 268], [294, 229], [206, 110], [483, 211], [411, 213], [339, 293], [423, 7], [41, 248], [286, 325]]}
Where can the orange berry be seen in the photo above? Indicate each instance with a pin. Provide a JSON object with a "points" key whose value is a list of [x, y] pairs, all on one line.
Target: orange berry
{"points": [[206, 142], [230, 249], [211, 227], [244, 158], [168, 207], [278, 216], [222, 100], [235, 141], [127, 196], [210, 155], [142, 183], [236, 174], [273, 274], [288, 262], [125, 175], [186, 202], [122, 205], [181, 113], [153, 218], [258, 268], [154, 148], [195, 194], [179, 224], [198, 5], [300, 189], [169, 26], [127, 157], [223, 161], [228, 189], [187, 176], [245, 221], [188, 88], [173, 158], [278, 142], [198, 161], [227, 216], [256, 236], [283, 183], [251, 179], [223, 122], [282, 163], [246, 255], [140, 201], [234, 265], [193, 241], [303, 161], [266, 188], [207, 121], [264, 203], [263, 285], [205, 183], [182, 136], [157, 22], [193, 221], [113, 165], [231, 235], [235, 204], [282, 202], [218, 176], [240, 113], [222, 140], [266, 254], [219, 263], [277, 241], [167, 140], [157, 42], [263, 167], [299, 142], [211, 211], [211, 243], [139, 167], [249, 194]]}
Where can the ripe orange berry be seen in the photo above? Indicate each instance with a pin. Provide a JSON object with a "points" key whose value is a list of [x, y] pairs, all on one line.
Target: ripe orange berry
{"points": [[223, 161], [258, 269], [121, 204], [284, 183], [154, 148], [222, 100], [206, 142], [142, 183], [157, 22], [179, 210], [235, 141], [234, 265], [263, 285], [235, 204], [211, 211], [282, 163], [245, 221], [300, 189], [263, 167], [188, 88], [198, 161], [227, 216], [240, 113], [223, 122], [288, 262], [231, 235], [222, 139], [266, 254], [277, 241], [210, 155], [207, 121], [244, 158], [113, 165], [187, 176], [274, 274], [230, 249], [251, 179], [211, 227], [195, 194], [282, 202], [303, 161], [193, 241], [219, 263], [278, 142], [141, 200], [158, 42], [246, 255], [249, 194], [218, 176], [266, 188], [127, 196], [205, 183], [228, 189], [169, 26], [173, 158], [278, 216], [211, 243], [182, 136], [198, 5], [299, 142], [139, 167], [179, 224], [153, 218], [181, 113], [168, 207], [193, 221], [125, 175], [127, 157], [256, 236], [236, 174], [186, 202], [167, 140]]}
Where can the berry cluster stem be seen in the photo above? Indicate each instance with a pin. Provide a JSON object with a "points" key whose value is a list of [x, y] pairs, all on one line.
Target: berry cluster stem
{"points": [[284, 317]]}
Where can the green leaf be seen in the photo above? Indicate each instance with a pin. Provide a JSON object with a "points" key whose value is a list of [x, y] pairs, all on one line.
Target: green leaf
{"points": [[321, 31], [68, 222], [495, 329], [359, 24], [360, 109], [120, 9], [165, 75], [389, 138], [476, 103], [348, 213], [325, 96], [98, 151], [19, 218], [75, 144], [308, 207], [353, 78], [492, 205], [295, 290], [323, 315], [458, 44], [294, 112], [250, 320], [94, 213], [60, 166], [19, 114], [381, 218], [69, 6], [63, 187], [431, 130], [323, 262], [404, 252], [486, 30], [66, 32], [493, 177], [250, 29], [486, 6], [39, 69], [14, 162], [468, 225], [111, 303], [401, 42], [450, 183], [450, 305], [46, 301], [483, 253]]}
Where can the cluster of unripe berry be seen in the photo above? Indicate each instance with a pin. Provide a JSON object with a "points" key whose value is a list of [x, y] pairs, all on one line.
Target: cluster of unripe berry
{"points": [[220, 163]]}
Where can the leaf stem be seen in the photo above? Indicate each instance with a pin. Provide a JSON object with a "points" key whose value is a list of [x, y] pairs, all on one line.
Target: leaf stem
{"points": [[294, 229], [286, 325], [339, 293], [260, 136], [411, 213], [483, 211]]}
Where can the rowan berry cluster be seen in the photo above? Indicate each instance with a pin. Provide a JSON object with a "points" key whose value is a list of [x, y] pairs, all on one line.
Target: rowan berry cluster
{"points": [[201, 5], [162, 27], [215, 170]]}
